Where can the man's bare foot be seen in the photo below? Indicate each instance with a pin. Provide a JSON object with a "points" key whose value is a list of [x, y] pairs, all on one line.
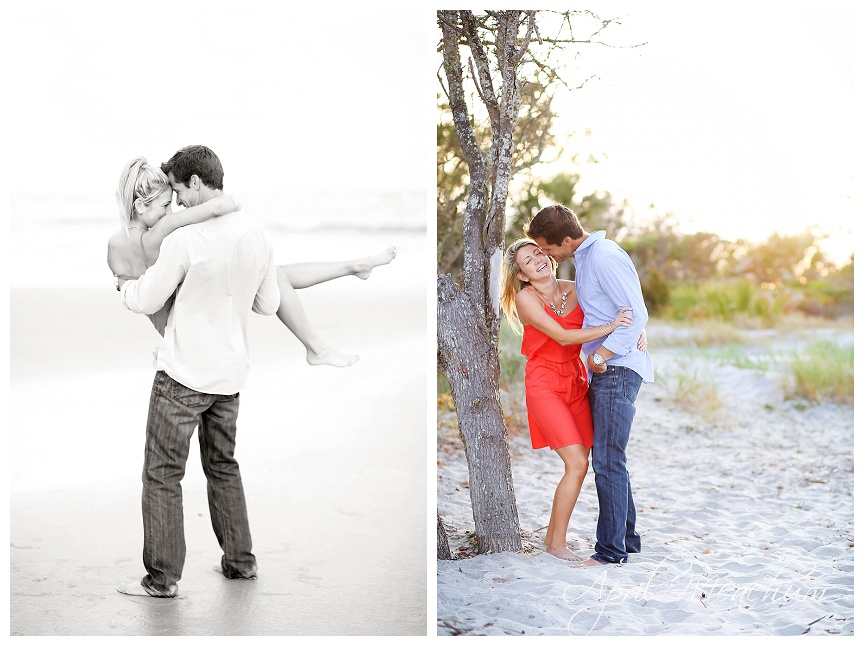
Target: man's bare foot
{"points": [[331, 357], [364, 266], [562, 553], [587, 563]]}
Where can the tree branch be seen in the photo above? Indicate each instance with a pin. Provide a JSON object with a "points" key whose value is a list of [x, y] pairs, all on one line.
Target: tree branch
{"points": [[475, 209], [485, 89]]}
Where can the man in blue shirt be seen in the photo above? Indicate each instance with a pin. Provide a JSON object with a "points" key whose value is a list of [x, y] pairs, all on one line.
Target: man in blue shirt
{"points": [[606, 280]]}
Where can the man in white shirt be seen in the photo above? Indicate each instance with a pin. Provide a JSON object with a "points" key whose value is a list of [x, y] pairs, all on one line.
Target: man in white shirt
{"points": [[221, 269]]}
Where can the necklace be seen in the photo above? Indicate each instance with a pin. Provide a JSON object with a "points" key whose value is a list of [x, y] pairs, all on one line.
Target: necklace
{"points": [[139, 228], [563, 303]]}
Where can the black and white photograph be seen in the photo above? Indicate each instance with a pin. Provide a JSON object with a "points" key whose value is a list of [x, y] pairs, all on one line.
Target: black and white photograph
{"points": [[213, 203]]}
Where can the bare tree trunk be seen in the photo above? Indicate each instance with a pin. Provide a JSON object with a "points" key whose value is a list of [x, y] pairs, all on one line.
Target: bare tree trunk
{"points": [[443, 544], [468, 319], [470, 364]]}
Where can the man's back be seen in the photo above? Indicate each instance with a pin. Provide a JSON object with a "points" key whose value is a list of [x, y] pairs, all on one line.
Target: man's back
{"points": [[224, 268]]}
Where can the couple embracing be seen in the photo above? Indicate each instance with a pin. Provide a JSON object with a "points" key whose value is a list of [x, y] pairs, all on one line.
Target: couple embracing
{"points": [[197, 274], [604, 314]]}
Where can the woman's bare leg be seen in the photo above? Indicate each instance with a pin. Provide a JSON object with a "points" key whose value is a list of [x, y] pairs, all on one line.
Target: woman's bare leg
{"points": [[306, 274], [575, 459], [292, 314]]}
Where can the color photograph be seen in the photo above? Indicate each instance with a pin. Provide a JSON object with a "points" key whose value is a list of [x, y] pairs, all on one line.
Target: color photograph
{"points": [[646, 216]]}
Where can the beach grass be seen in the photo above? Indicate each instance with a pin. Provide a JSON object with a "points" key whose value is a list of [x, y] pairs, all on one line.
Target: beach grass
{"points": [[700, 334], [796, 321], [825, 370], [694, 389], [738, 356]]}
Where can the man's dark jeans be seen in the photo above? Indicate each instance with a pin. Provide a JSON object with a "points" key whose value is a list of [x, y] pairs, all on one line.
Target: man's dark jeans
{"points": [[613, 397], [175, 411]]}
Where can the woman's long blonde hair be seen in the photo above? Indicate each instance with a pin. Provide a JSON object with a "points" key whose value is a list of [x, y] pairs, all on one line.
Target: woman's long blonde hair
{"points": [[139, 180], [511, 285]]}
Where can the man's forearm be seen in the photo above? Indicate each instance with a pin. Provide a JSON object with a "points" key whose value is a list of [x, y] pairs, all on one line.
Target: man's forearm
{"points": [[605, 352], [147, 296]]}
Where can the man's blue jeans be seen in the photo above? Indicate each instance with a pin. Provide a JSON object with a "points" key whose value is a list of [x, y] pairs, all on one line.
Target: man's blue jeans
{"points": [[175, 411], [612, 396]]}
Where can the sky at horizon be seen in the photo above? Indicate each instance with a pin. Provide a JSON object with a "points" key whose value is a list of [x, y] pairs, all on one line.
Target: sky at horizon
{"points": [[284, 95], [739, 120]]}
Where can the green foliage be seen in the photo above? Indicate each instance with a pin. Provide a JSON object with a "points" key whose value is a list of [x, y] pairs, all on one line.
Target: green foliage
{"points": [[532, 138], [694, 390], [832, 295], [728, 301], [511, 359], [739, 357], [824, 371], [781, 259], [655, 290], [682, 303]]}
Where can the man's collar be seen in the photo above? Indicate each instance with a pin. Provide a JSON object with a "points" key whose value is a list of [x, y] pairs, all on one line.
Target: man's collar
{"points": [[592, 238]]}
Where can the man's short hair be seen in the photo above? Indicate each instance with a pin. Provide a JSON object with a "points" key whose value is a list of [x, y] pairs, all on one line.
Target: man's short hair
{"points": [[195, 160], [553, 224]]}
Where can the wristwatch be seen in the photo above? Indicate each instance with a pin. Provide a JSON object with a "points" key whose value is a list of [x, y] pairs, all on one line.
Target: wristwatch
{"points": [[598, 359]]}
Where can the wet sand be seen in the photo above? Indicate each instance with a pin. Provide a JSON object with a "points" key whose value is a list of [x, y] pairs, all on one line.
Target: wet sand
{"points": [[333, 463]]}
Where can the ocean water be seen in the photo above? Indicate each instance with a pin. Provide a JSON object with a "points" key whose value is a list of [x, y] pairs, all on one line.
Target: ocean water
{"points": [[60, 240]]}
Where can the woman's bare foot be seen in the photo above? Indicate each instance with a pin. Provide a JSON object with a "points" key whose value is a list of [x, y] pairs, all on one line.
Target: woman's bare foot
{"points": [[562, 553], [364, 266], [587, 563], [330, 357]]}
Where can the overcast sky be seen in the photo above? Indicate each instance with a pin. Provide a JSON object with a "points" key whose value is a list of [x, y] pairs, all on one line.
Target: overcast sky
{"points": [[307, 97], [738, 118]]}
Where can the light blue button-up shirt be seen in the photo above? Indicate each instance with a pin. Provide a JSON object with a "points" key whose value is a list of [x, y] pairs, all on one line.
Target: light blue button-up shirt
{"points": [[606, 281]]}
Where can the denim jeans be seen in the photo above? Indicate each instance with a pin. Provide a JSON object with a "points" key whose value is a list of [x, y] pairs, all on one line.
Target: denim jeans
{"points": [[175, 411], [613, 395]]}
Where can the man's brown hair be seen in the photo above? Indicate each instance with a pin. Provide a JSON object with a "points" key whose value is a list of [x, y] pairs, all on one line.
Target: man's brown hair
{"points": [[195, 160], [553, 224]]}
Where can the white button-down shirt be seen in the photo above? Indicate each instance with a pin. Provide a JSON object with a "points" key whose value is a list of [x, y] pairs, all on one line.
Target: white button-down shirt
{"points": [[224, 267]]}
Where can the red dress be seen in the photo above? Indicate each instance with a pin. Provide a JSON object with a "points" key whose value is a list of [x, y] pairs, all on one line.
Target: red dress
{"points": [[556, 387]]}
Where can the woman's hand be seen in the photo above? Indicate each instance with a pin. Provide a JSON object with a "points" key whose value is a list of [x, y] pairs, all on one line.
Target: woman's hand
{"points": [[623, 318], [642, 343]]}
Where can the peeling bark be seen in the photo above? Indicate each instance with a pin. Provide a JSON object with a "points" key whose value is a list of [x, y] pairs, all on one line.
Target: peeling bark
{"points": [[468, 319], [470, 364], [444, 553]]}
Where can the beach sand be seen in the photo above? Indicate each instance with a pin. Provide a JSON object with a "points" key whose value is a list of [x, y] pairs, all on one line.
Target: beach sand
{"points": [[746, 517], [333, 464]]}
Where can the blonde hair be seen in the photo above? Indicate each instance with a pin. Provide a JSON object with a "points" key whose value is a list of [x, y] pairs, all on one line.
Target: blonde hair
{"points": [[139, 180], [510, 283]]}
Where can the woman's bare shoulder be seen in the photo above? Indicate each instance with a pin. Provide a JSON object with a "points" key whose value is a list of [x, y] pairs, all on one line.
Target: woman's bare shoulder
{"points": [[525, 292], [526, 297]]}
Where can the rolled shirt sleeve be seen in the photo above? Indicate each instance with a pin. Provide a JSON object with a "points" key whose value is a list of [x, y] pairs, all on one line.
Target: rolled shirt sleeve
{"points": [[148, 294], [268, 297]]}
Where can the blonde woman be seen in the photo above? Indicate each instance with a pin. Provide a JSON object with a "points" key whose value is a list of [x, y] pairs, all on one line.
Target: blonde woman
{"points": [[144, 195], [545, 311]]}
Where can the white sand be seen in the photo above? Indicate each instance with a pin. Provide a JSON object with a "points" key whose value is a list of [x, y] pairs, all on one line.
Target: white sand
{"points": [[746, 516], [333, 463]]}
